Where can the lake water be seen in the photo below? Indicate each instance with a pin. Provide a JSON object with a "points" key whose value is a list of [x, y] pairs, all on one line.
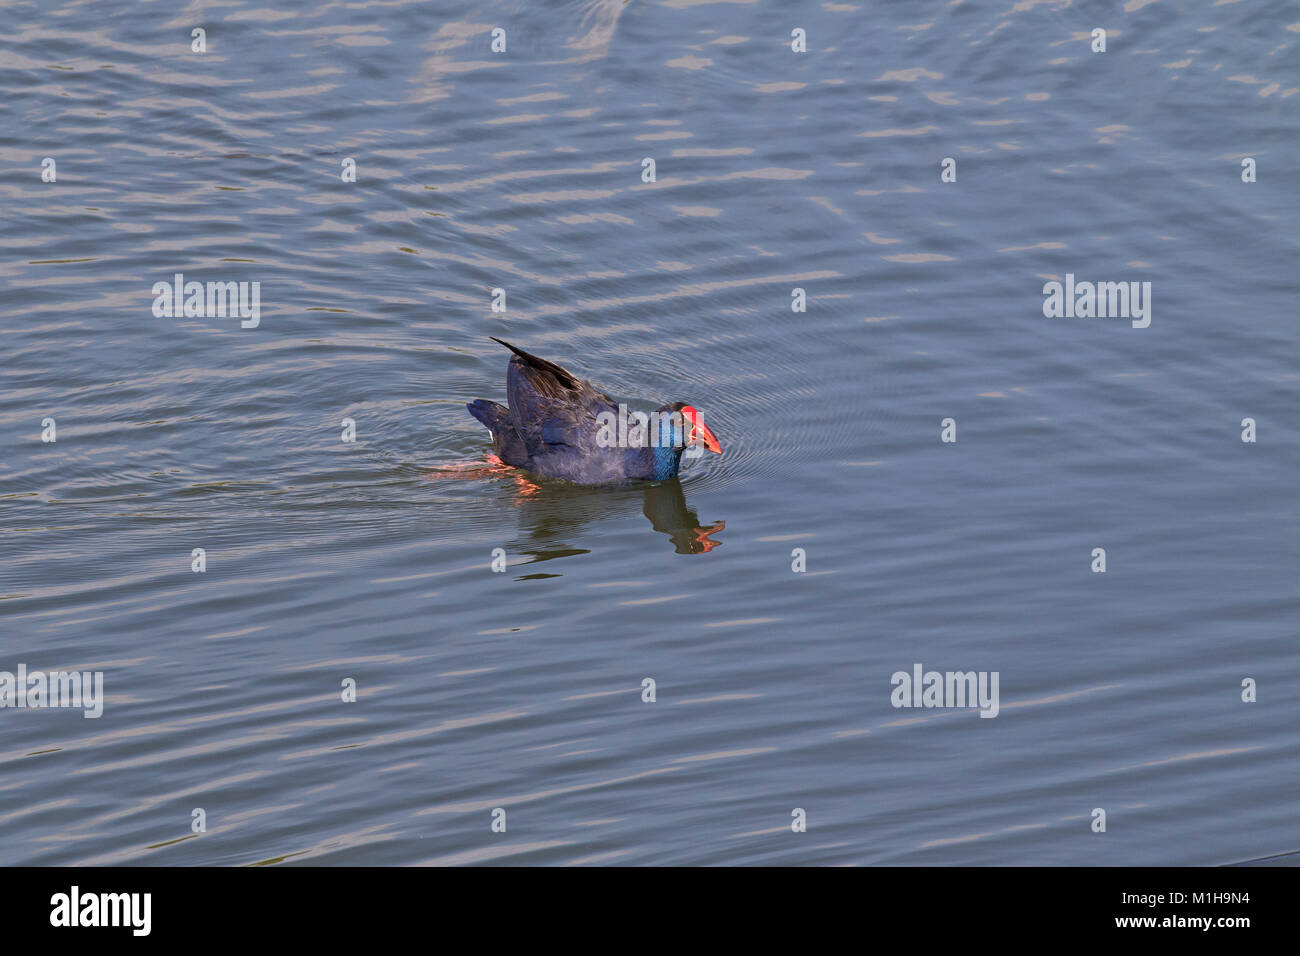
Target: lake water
{"points": [[371, 561]]}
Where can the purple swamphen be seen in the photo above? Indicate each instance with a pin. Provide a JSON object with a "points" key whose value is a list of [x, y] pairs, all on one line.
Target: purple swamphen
{"points": [[560, 426]]}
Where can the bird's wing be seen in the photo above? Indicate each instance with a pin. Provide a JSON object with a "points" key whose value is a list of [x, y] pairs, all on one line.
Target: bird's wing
{"points": [[551, 406]]}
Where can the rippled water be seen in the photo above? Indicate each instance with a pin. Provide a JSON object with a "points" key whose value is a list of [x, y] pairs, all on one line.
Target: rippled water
{"points": [[775, 170]]}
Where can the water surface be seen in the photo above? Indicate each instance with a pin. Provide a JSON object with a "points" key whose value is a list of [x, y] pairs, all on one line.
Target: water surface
{"points": [[371, 561]]}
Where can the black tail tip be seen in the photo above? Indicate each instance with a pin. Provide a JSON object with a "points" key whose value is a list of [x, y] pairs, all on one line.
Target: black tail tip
{"points": [[516, 349]]}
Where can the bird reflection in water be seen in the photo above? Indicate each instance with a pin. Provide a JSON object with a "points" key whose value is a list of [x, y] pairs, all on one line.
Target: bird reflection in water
{"points": [[665, 506], [556, 514]]}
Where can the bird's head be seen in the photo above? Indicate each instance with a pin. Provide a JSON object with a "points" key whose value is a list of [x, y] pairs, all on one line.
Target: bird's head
{"points": [[688, 427]]}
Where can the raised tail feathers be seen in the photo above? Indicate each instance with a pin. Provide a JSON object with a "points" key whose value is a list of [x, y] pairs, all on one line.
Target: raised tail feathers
{"points": [[491, 414]]}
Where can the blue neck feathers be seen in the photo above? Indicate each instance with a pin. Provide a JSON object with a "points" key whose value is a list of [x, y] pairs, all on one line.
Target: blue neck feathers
{"points": [[661, 461]]}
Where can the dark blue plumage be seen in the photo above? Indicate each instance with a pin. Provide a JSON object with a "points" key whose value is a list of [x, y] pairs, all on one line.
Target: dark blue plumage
{"points": [[552, 428]]}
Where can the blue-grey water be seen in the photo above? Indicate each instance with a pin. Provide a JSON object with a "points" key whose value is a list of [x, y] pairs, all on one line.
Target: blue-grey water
{"points": [[329, 562]]}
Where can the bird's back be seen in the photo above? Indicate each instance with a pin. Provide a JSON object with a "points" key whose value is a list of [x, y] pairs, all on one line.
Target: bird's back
{"points": [[553, 423]]}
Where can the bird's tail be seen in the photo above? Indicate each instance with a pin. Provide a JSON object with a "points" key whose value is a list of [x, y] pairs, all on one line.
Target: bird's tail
{"points": [[491, 414], [564, 376]]}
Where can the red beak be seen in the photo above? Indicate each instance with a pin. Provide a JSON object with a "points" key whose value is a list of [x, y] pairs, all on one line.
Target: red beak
{"points": [[710, 440], [700, 431]]}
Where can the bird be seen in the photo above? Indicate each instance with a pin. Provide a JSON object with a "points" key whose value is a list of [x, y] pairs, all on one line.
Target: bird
{"points": [[560, 426]]}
